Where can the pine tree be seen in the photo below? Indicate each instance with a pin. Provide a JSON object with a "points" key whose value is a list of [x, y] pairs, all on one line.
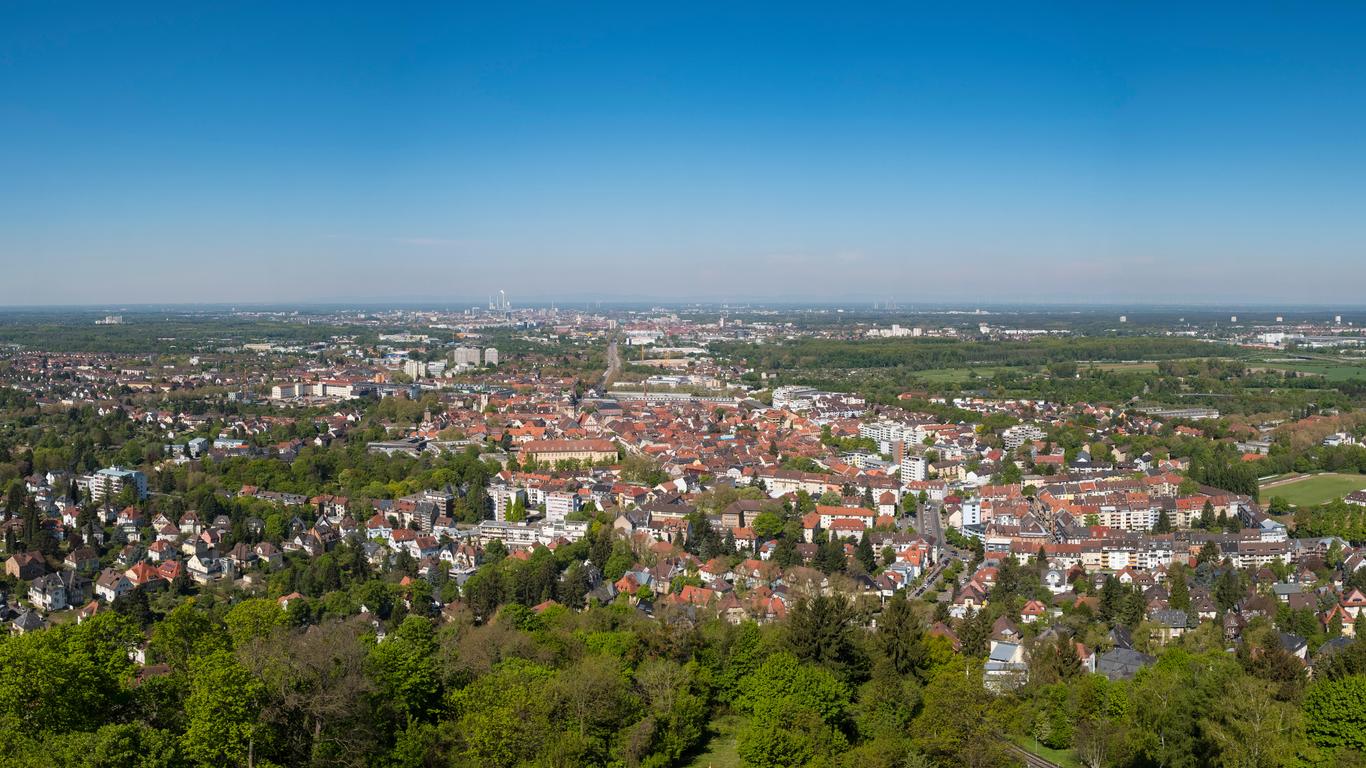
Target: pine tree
{"points": [[1180, 595], [865, 554], [1164, 523]]}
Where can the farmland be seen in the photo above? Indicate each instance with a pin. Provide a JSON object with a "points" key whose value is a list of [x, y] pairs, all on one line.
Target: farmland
{"points": [[1332, 370]]}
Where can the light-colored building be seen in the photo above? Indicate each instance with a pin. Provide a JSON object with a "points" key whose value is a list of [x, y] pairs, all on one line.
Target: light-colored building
{"points": [[491, 356], [914, 468], [559, 504], [465, 356], [562, 450], [1018, 435], [111, 481]]}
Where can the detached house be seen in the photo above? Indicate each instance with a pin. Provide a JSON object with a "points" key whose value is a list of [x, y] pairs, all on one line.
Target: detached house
{"points": [[49, 593], [26, 566], [111, 585]]}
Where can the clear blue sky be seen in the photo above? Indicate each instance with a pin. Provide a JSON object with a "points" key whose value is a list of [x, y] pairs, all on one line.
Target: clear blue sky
{"points": [[299, 151]]}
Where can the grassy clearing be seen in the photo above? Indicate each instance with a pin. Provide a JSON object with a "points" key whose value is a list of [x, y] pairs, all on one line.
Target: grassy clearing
{"points": [[720, 748], [1063, 757], [1316, 489]]}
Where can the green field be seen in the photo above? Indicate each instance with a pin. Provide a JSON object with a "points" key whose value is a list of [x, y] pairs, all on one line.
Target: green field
{"points": [[958, 375], [720, 748], [1063, 757], [1330, 370], [1137, 366], [1316, 489]]}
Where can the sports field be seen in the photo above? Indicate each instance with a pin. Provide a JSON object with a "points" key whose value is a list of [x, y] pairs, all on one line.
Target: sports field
{"points": [[1314, 489]]}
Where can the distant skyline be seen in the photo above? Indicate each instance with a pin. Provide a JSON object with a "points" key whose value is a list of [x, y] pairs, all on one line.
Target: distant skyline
{"points": [[327, 152]]}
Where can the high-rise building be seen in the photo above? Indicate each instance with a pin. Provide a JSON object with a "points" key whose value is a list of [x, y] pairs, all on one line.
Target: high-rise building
{"points": [[111, 481], [491, 356], [465, 356], [914, 468]]}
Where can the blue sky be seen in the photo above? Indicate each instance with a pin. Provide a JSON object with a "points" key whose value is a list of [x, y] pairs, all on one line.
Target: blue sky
{"points": [[1066, 152]]}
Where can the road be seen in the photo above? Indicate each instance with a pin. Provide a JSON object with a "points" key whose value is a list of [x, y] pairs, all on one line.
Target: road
{"points": [[930, 525], [930, 518], [613, 367]]}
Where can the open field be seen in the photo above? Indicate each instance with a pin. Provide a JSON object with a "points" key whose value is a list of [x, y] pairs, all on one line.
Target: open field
{"points": [[1314, 489], [1062, 757], [720, 749], [1133, 366], [958, 375], [1330, 370]]}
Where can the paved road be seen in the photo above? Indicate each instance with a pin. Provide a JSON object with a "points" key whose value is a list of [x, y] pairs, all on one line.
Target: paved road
{"points": [[930, 525], [930, 519], [930, 578]]}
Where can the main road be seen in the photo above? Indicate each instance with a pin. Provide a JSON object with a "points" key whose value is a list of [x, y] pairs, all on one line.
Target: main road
{"points": [[930, 525]]}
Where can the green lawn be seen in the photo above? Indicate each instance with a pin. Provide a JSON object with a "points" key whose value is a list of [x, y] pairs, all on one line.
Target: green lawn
{"points": [[1063, 757], [719, 751], [1317, 489]]}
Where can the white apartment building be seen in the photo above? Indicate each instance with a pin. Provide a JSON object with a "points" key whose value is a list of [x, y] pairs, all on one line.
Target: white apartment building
{"points": [[111, 481], [558, 505], [466, 356], [1018, 435], [914, 468]]}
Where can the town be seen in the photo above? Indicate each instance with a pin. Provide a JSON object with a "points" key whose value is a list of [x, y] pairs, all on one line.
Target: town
{"points": [[457, 465]]}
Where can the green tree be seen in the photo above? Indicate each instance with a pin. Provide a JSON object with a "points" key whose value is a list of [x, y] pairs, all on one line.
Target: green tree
{"points": [[767, 525], [1249, 728], [222, 712], [186, 633], [404, 668], [796, 711], [1180, 595], [504, 716], [902, 639], [958, 724], [253, 618], [820, 630], [1335, 713]]}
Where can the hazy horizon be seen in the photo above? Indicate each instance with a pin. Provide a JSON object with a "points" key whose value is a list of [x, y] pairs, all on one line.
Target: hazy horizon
{"points": [[325, 153]]}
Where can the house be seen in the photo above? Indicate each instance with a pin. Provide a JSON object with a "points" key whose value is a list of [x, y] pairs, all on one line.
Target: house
{"points": [[26, 566], [1294, 645], [144, 575], [205, 567], [90, 610], [1032, 611], [83, 560], [1123, 663], [1005, 668], [1169, 625], [270, 555], [28, 621], [111, 585], [48, 593]]}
